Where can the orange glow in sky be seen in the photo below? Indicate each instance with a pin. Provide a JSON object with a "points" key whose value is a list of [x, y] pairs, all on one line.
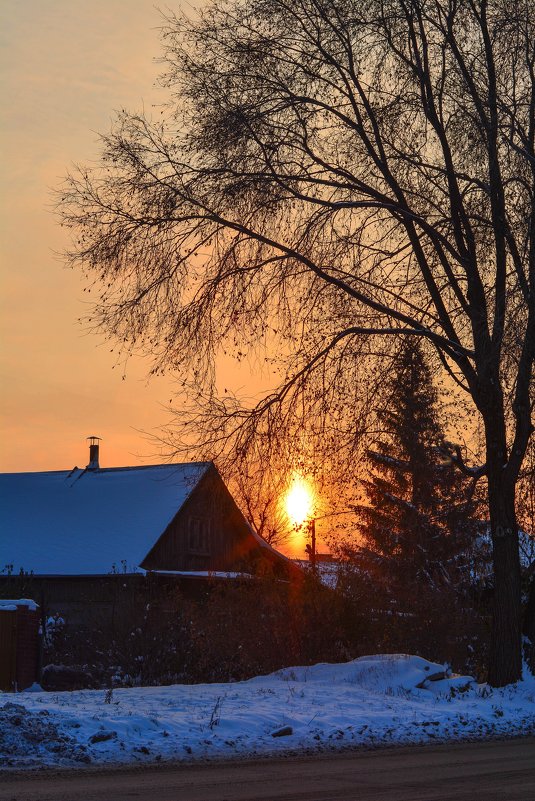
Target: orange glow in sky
{"points": [[65, 66], [299, 501]]}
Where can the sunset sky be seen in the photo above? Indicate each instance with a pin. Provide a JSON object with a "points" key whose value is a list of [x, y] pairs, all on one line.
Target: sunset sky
{"points": [[66, 65]]}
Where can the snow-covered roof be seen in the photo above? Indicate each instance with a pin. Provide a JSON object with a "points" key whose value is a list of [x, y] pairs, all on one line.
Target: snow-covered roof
{"points": [[265, 544], [211, 574], [327, 571], [89, 521]]}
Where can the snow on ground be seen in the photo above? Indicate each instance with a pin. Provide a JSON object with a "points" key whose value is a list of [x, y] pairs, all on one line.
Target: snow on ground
{"points": [[367, 702]]}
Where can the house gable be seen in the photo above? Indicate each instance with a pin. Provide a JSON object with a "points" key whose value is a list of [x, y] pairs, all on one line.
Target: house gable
{"points": [[209, 533]]}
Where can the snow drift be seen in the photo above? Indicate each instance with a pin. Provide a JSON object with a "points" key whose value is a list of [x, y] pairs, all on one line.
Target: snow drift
{"points": [[368, 702]]}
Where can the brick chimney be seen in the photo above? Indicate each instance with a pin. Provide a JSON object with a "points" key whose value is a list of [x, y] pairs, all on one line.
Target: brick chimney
{"points": [[93, 453]]}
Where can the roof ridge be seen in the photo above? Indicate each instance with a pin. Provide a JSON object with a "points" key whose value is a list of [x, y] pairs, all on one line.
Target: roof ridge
{"points": [[117, 468], [151, 466]]}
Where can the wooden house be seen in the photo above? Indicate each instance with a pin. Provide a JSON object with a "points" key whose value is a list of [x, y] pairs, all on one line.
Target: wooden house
{"points": [[81, 537]]}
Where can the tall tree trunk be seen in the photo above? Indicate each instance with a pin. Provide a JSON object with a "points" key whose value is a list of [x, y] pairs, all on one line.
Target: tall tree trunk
{"points": [[528, 628], [505, 664]]}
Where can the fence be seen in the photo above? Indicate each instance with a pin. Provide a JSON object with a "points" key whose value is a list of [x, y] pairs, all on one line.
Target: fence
{"points": [[19, 644]]}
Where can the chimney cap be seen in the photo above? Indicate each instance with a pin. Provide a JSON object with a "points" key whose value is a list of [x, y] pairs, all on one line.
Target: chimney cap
{"points": [[93, 453]]}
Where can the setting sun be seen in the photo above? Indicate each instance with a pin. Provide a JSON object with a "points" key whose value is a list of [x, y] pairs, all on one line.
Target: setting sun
{"points": [[299, 501]]}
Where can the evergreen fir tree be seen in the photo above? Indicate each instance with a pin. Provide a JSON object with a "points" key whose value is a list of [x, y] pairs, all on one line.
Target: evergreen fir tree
{"points": [[416, 527]]}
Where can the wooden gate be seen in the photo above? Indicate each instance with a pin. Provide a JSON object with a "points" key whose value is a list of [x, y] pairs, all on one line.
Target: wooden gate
{"points": [[8, 648]]}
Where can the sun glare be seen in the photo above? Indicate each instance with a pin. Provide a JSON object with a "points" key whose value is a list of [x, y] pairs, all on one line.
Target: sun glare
{"points": [[299, 501]]}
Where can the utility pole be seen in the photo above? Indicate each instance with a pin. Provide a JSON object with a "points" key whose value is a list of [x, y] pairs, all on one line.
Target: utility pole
{"points": [[311, 546]]}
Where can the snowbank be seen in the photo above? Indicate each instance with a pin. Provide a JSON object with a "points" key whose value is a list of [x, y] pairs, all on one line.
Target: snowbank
{"points": [[372, 701], [13, 603]]}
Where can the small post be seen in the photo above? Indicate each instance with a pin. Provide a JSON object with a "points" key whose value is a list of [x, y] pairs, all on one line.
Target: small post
{"points": [[311, 546]]}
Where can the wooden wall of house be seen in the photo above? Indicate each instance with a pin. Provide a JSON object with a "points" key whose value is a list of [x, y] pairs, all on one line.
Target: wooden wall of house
{"points": [[209, 533]]}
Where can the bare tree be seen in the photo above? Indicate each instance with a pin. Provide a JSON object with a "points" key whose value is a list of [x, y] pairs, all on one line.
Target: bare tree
{"points": [[258, 486], [330, 173]]}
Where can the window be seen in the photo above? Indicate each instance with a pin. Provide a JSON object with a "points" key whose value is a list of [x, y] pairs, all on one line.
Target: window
{"points": [[199, 535]]}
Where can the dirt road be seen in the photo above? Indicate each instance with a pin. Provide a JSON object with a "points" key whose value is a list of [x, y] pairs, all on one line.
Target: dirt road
{"points": [[490, 771]]}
